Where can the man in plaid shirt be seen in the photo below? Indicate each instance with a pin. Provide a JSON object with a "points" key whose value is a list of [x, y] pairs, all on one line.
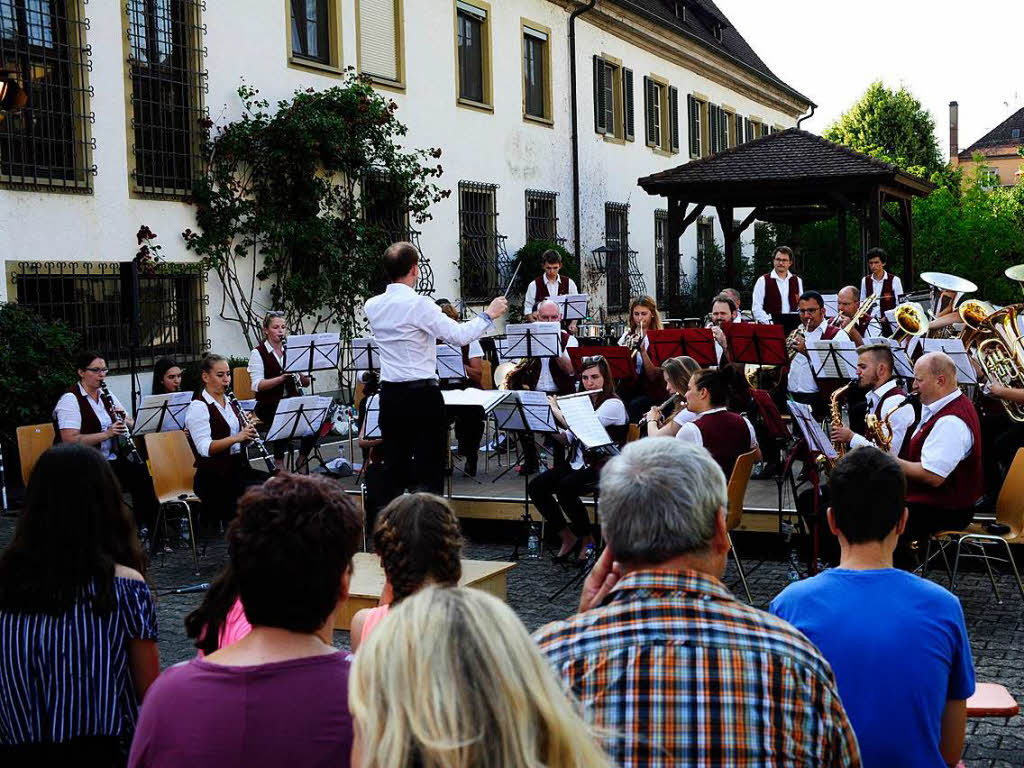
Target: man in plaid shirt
{"points": [[668, 665]]}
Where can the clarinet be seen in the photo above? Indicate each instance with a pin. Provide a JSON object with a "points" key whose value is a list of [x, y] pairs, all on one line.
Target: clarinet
{"points": [[244, 420], [129, 441]]}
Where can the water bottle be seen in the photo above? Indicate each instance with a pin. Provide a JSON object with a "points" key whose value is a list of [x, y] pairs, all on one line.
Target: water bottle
{"points": [[533, 542]]}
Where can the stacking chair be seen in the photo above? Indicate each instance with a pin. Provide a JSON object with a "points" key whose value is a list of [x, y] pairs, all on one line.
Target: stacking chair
{"points": [[633, 434], [33, 440], [737, 491], [1009, 512], [171, 465], [241, 383]]}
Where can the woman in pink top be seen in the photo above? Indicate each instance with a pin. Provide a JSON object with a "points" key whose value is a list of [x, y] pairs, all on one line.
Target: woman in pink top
{"points": [[219, 621], [418, 540]]}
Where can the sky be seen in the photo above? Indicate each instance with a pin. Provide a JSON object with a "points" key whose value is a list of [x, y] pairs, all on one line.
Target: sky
{"points": [[941, 50]]}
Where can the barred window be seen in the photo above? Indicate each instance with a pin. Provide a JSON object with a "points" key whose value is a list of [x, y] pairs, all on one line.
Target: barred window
{"points": [[482, 255], [660, 274], [95, 300], [167, 81], [616, 241], [47, 144], [386, 207], [542, 216]]}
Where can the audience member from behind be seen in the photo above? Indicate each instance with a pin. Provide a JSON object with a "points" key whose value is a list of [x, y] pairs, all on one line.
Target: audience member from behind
{"points": [[77, 621], [669, 666], [897, 643], [418, 540], [220, 619], [283, 685], [453, 680]]}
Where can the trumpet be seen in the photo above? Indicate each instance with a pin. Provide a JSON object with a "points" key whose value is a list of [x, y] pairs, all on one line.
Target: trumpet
{"points": [[245, 421], [634, 341], [118, 415], [865, 306]]}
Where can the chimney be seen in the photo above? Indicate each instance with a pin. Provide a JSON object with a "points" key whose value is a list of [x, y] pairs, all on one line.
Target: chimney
{"points": [[954, 123]]}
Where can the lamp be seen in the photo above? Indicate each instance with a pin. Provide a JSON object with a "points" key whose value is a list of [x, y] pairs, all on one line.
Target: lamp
{"points": [[599, 257]]}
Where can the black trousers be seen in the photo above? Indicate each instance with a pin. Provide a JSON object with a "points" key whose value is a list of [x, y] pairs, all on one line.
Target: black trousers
{"points": [[469, 427], [219, 491], [134, 479], [828, 543], [1005, 447], [813, 399], [412, 426], [566, 485]]}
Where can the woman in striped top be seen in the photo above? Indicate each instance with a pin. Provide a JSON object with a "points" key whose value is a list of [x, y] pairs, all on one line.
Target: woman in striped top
{"points": [[77, 621]]}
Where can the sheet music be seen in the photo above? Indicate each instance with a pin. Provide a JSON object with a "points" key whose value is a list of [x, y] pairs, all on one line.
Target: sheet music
{"points": [[449, 362], [487, 399], [152, 415], [572, 305], [965, 373], [371, 422], [833, 359], [811, 430], [325, 350], [831, 304], [525, 411], [248, 405], [313, 409], [365, 354], [544, 341], [904, 367], [581, 418]]}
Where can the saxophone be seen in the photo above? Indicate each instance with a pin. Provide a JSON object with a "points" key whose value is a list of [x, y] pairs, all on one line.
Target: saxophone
{"points": [[879, 431], [836, 413]]}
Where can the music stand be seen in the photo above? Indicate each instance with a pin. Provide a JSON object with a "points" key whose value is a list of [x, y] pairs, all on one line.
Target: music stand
{"points": [[965, 373], [698, 343], [816, 443], [788, 320], [573, 306], [371, 420], [619, 359], [365, 355], [162, 413], [754, 344], [312, 352], [298, 417], [449, 362], [530, 340], [832, 359], [487, 399], [904, 367]]}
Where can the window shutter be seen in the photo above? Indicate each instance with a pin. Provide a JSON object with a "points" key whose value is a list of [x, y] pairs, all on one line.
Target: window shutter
{"points": [[748, 129], [378, 35], [648, 111], [723, 129], [713, 114], [627, 102], [673, 116], [599, 106], [693, 116]]}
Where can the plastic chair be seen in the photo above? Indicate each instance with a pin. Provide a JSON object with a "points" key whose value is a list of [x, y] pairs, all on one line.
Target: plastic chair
{"points": [[33, 440], [1009, 512], [241, 383], [737, 491], [171, 465]]}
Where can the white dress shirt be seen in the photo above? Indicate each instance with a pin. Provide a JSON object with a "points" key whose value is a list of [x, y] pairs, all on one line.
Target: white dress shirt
{"points": [[897, 289], [801, 378], [645, 344], [950, 440], [255, 368], [407, 326], [552, 288], [197, 423], [611, 413], [685, 416], [782, 283], [546, 382], [70, 417], [690, 433], [900, 419]]}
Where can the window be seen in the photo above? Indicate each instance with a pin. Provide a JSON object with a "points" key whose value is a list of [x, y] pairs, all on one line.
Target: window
{"points": [[536, 72], [616, 241], [167, 82], [472, 39], [660, 234], [1015, 133], [988, 177], [705, 252], [387, 209], [613, 99], [379, 40], [541, 216], [481, 248], [94, 300], [696, 110], [661, 115], [43, 47], [754, 129], [311, 30], [718, 128]]}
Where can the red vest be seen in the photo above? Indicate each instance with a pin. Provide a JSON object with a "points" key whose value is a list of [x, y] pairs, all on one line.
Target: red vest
{"points": [[219, 429], [830, 332], [90, 421], [564, 382], [267, 399], [541, 288], [725, 437], [888, 298], [965, 484], [772, 297], [891, 393]]}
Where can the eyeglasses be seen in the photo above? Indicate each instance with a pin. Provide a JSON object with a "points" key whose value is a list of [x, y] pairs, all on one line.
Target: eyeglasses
{"points": [[97, 370], [809, 311], [592, 360]]}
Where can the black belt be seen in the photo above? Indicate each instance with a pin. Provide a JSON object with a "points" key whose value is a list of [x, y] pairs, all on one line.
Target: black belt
{"points": [[415, 384], [807, 398]]}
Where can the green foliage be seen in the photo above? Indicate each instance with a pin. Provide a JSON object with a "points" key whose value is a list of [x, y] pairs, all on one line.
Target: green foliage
{"points": [[892, 126], [531, 256], [287, 190], [36, 367]]}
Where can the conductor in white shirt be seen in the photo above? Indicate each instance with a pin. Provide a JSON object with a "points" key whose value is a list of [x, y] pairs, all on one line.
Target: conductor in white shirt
{"points": [[406, 327]]}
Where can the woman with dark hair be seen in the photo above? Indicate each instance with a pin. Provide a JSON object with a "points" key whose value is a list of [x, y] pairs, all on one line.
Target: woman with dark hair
{"points": [[166, 376], [85, 416], [568, 481], [677, 372], [283, 686], [77, 621], [217, 437]]}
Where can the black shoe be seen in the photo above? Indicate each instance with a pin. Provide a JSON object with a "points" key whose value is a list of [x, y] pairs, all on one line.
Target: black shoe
{"points": [[528, 469], [470, 468], [566, 557]]}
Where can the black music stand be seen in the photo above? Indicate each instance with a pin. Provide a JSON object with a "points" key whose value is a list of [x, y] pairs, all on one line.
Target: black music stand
{"points": [[526, 340], [314, 352], [788, 320], [159, 413], [573, 306], [832, 360], [698, 343], [298, 417], [814, 445]]}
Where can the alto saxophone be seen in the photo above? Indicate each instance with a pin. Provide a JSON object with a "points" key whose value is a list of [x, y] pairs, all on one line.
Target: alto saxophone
{"points": [[836, 413], [879, 431]]}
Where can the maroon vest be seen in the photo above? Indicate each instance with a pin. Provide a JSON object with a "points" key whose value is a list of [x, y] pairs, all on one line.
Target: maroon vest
{"points": [[772, 297], [725, 437], [888, 298], [219, 429], [965, 484], [830, 332], [891, 393], [564, 382], [267, 399], [90, 421], [541, 288]]}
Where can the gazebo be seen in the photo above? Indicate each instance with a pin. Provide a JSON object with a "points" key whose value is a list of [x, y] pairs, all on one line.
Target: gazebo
{"points": [[790, 176]]}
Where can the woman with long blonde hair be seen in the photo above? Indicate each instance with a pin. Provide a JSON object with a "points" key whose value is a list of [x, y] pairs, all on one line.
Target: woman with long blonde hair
{"points": [[454, 681], [647, 389], [677, 372]]}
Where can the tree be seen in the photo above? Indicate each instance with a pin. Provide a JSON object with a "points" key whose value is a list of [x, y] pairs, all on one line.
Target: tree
{"points": [[892, 126], [310, 195]]}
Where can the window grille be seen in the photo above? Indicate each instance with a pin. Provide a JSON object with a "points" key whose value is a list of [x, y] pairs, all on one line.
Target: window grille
{"points": [[483, 260], [165, 69], [623, 278], [385, 208], [94, 300], [660, 275], [311, 36], [47, 144], [542, 216]]}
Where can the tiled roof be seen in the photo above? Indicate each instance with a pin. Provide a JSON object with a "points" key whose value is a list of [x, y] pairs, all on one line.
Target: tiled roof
{"points": [[1000, 136], [701, 16], [786, 156]]}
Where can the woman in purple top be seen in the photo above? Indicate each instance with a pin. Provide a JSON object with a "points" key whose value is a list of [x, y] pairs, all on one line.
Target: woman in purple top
{"points": [[278, 696]]}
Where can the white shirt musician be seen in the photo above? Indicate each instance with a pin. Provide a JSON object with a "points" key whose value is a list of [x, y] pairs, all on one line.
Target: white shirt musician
{"points": [[550, 284], [885, 399], [723, 310], [881, 283], [812, 314], [779, 290], [866, 327], [197, 422], [550, 312], [68, 414]]}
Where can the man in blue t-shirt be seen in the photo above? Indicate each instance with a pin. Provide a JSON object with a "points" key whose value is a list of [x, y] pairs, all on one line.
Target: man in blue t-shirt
{"points": [[896, 642]]}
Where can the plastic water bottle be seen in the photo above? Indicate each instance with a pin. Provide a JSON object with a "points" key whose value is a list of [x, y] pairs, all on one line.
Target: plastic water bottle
{"points": [[533, 542]]}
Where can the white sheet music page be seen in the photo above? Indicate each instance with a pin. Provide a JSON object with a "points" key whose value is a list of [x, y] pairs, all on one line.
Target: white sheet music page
{"points": [[371, 423], [826, 365], [153, 416], [904, 367], [811, 430], [313, 409], [581, 418], [449, 362], [539, 417], [365, 354], [573, 305], [965, 373], [544, 341], [487, 399]]}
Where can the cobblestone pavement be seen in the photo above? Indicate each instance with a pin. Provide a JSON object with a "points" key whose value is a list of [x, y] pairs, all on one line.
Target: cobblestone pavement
{"points": [[996, 631]]}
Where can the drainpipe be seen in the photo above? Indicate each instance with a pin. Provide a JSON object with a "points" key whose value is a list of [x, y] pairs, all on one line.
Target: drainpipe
{"points": [[807, 117], [575, 132]]}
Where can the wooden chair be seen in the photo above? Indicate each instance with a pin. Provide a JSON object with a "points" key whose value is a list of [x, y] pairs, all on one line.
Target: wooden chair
{"points": [[737, 491], [486, 377], [1009, 512], [241, 383], [171, 464], [633, 433], [32, 441]]}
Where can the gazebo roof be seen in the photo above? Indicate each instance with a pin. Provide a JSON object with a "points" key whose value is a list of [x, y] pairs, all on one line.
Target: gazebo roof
{"points": [[791, 167]]}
